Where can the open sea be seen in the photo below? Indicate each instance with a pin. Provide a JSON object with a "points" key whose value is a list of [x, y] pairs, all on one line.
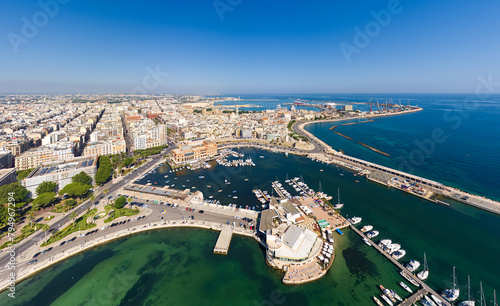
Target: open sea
{"points": [[177, 266]]}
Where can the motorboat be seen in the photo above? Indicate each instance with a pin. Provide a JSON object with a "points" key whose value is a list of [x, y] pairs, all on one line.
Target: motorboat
{"points": [[366, 228], [413, 265], [405, 287]]}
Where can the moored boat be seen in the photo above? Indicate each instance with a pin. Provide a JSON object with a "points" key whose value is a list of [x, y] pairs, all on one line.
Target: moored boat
{"points": [[424, 273], [367, 228], [386, 299], [405, 287], [413, 265], [379, 303], [452, 294]]}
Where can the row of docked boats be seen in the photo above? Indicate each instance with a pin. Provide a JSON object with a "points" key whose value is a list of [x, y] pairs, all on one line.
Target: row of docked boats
{"points": [[236, 162]]}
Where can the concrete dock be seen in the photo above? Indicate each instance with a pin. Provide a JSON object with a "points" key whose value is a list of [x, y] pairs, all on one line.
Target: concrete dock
{"points": [[222, 245], [414, 297], [401, 267]]}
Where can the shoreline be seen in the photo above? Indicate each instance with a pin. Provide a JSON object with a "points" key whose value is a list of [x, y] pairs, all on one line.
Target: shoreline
{"points": [[211, 226]]}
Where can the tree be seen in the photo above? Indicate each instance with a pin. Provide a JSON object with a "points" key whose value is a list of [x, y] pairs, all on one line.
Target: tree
{"points": [[120, 202], [104, 171], [72, 216], [75, 190], [17, 191], [44, 199], [46, 186], [82, 178], [92, 198], [128, 161]]}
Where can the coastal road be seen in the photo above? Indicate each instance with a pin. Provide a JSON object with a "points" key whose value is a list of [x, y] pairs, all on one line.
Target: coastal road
{"points": [[111, 186], [159, 214]]}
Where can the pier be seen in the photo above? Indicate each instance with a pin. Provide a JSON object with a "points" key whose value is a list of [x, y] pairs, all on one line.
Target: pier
{"points": [[424, 286], [414, 297], [222, 245]]}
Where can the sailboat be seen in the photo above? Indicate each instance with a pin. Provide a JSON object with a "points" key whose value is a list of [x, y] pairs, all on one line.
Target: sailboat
{"points": [[338, 205], [451, 295], [482, 300], [495, 298], [226, 181], [425, 273], [469, 302]]}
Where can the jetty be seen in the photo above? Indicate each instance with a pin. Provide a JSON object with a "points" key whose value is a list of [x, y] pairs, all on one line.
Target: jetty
{"points": [[347, 137], [373, 149], [419, 294], [224, 240], [333, 127]]}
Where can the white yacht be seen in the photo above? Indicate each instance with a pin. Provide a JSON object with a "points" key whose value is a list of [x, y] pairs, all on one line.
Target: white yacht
{"points": [[469, 301], [451, 295], [413, 265], [338, 205], [356, 220], [405, 287], [393, 247], [372, 234], [398, 254], [367, 228], [424, 274]]}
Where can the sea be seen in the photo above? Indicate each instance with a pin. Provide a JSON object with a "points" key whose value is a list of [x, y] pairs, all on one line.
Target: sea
{"points": [[178, 267]]}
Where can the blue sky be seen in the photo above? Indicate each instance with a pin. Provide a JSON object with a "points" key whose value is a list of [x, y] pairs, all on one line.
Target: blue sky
{"points": [[258, 46]]}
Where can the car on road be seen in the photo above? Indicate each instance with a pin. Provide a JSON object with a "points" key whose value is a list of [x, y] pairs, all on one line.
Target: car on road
{"points": [[36, 255], [63, 243], [201, 211], [32, 262], [72, 239]]}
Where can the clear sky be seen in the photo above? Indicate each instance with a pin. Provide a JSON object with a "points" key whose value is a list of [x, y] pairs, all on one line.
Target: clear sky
{"points": [[247, 46]]}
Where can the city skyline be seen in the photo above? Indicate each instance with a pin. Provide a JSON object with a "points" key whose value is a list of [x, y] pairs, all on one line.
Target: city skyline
{"points": [[242, 47]]}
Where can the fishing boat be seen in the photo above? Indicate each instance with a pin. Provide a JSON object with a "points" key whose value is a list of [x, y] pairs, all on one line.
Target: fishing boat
{"points": [[405, 287], [338, 205], [451, 295], [379, 303], [469, 301], [424, 273], [367, 228]]}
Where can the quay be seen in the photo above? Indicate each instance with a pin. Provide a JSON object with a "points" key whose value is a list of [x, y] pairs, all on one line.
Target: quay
{"points": [[414, 297], [224, 240], [424, 286]]}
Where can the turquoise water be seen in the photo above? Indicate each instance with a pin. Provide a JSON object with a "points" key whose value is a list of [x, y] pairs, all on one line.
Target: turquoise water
{"points": [[177, 267]]}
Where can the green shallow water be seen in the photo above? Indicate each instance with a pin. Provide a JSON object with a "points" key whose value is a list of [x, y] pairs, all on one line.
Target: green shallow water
{"points": [[177, 267]]}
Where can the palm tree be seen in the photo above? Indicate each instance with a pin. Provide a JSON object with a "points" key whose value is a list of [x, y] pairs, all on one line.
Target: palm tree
{"points": [[72, 216]]}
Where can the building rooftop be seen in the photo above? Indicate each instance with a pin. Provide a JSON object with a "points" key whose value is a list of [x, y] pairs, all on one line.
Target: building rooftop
{"points": [[66, 165]]}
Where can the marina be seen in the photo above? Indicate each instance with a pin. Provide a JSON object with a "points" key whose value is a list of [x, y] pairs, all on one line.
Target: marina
{"points": [[419, 294]]}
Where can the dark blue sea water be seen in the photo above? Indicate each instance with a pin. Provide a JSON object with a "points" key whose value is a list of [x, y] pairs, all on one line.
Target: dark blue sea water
{"points": [[455, 140]]}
